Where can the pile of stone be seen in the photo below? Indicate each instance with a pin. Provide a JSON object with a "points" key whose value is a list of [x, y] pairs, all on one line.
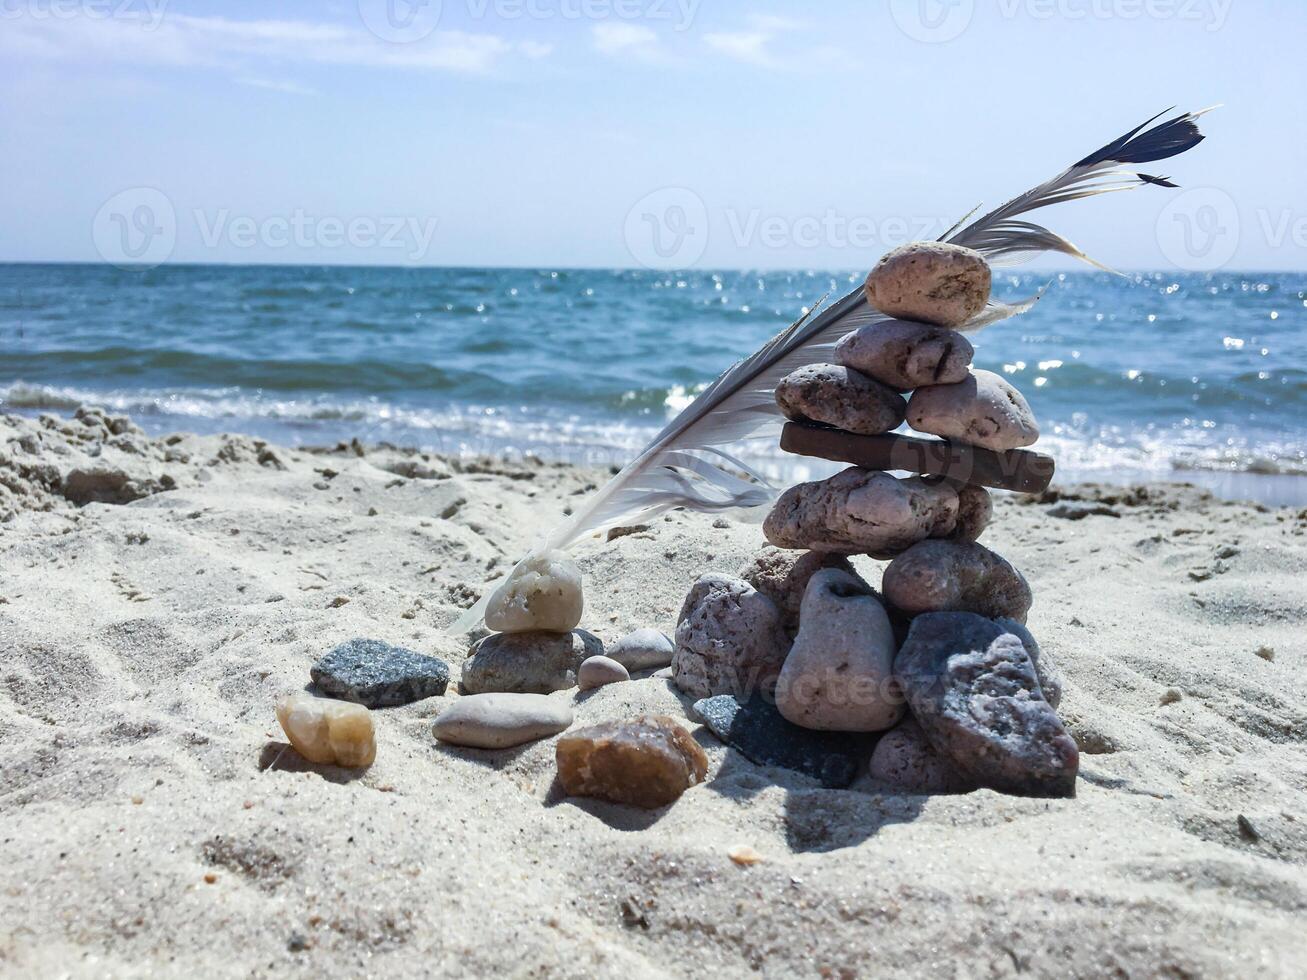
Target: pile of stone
{"points": [[507, 682], [799, 662]]}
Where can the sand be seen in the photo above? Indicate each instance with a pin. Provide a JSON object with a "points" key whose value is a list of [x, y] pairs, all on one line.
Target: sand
{"points": [[154, 822]]}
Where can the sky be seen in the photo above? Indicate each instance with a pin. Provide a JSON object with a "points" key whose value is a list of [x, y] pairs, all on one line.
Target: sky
{"points": [[618, 133]]}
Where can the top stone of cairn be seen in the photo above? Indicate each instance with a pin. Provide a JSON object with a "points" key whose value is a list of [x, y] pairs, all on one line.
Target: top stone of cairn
{"points": [[931, 282]]}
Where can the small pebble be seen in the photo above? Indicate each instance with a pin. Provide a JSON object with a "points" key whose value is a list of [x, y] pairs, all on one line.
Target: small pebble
{"points": [[1266, 653], [598, 671], [744, 855], [643, 649], [1246, 829], [327, 731], [1170, 696]]}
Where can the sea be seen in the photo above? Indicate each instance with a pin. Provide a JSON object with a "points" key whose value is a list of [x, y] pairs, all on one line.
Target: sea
{"points": [[1146, 376]]}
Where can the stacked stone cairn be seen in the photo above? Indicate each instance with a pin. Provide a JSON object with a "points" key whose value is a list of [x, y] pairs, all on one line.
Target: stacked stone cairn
{"points": [[932, 685], [513, 682], [935, 684]]}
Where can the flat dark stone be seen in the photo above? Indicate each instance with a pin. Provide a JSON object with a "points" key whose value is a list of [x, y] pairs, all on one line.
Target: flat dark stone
{"points": [[379, 675], [758, 732]]}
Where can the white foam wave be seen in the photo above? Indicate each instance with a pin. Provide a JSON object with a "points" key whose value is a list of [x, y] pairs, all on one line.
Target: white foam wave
{"points": [[1082, 453]]}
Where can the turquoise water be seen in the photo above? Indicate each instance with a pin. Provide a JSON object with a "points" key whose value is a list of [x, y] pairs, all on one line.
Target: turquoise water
{"points": [[1200, 377]]}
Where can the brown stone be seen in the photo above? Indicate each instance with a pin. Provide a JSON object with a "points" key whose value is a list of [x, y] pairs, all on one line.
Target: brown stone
{"points": [[835, 395], [933, 282], [646, 762], [956, 576], [861, 512]]}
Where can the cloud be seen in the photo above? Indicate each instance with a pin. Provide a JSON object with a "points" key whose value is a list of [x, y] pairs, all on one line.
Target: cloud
{"points": [[535, 49], [277, 85], [753, 46], [182, 40], [750, 46], [616, 38]]}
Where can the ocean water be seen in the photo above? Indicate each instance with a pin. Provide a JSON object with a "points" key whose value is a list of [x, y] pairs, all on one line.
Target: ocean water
{"points": [[1199, 377]]}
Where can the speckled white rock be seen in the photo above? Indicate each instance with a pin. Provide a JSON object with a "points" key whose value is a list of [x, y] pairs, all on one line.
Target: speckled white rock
{"points": [[643, 649], [956, 576], [933, 282], [906, 355], [542, 593], [1046, 671], [729, 640], [500, 721], [327, 731], [905, 759], [598, 671], [981, 410], [862, 512], [835, 395], [839, 674], [782, 576]]}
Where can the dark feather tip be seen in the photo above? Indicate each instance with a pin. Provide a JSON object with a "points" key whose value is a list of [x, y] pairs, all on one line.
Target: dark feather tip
{"points": [[1142, 145], [1159, 181]]}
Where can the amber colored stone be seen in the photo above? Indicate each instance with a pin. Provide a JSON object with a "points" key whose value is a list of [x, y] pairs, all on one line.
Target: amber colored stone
{"points": [[646, 762], [328, 732]]}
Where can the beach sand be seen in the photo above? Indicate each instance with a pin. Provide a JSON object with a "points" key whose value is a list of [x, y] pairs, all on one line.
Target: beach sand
{"points": [[155, 823]]}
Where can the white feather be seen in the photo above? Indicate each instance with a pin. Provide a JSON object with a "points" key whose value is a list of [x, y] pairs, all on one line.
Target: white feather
{"points": [[686, 464]]}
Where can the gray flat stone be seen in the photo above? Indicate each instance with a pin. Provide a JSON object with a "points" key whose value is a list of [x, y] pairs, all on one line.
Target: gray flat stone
{"points": [[644, 649], [500, 721], [973, 688], [379, 675]]}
